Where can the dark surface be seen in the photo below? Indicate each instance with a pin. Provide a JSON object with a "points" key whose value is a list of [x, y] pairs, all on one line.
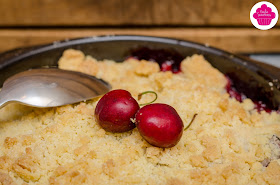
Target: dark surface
{"points": [[249, 77]]}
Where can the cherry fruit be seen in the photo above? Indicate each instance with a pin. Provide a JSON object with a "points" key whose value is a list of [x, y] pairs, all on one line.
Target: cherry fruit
{"points": [[115, 110], [159, 124]]}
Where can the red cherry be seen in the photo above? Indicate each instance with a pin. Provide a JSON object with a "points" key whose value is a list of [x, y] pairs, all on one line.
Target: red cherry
{"points": [[159, 124], [115, 110]]}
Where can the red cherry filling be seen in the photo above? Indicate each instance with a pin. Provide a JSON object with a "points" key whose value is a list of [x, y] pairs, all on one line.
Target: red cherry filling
{"points": [[166, 66], [168, 60], [259, 105], [233, 92]]}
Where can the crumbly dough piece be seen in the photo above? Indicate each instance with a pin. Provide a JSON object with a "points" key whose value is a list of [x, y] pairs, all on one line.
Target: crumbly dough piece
{"points": [[225, 144]]}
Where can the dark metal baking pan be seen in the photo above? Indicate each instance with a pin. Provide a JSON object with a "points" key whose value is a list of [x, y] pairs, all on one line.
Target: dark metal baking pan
{"points": [[256, 80]]}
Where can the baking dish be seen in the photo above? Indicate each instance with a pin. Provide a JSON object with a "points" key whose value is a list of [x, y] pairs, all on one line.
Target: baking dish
{"points": [[256, 80]]}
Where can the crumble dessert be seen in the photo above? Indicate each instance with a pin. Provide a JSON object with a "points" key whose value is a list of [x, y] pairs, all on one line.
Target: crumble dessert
{"points": [[228, 142]]}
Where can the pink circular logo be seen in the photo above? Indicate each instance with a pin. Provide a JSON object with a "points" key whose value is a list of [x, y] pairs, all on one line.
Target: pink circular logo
{"points": [[264, 15]]}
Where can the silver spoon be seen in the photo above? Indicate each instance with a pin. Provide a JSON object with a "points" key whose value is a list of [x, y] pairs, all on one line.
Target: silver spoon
{"points": [[51, 88]]}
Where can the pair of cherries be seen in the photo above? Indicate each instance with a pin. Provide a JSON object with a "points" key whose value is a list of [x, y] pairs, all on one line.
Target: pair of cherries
{"points": [[159, 124]]}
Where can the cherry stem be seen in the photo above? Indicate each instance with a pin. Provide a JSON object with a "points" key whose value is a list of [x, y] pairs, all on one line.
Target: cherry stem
{"points": [[147, 92], [191, 121]]}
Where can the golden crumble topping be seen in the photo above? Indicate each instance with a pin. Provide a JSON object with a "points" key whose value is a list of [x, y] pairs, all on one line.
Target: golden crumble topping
{"points": [[228, 142]]}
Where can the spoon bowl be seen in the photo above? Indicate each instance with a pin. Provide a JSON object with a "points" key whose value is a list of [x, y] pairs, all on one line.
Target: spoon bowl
{"points": [[51, 87]]}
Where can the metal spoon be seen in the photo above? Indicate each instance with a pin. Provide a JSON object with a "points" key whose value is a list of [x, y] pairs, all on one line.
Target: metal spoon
{"points": [[51, 88]]}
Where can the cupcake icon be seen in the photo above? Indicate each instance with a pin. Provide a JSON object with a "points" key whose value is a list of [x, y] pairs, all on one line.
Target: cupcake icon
{"points": [[264, 15]]}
